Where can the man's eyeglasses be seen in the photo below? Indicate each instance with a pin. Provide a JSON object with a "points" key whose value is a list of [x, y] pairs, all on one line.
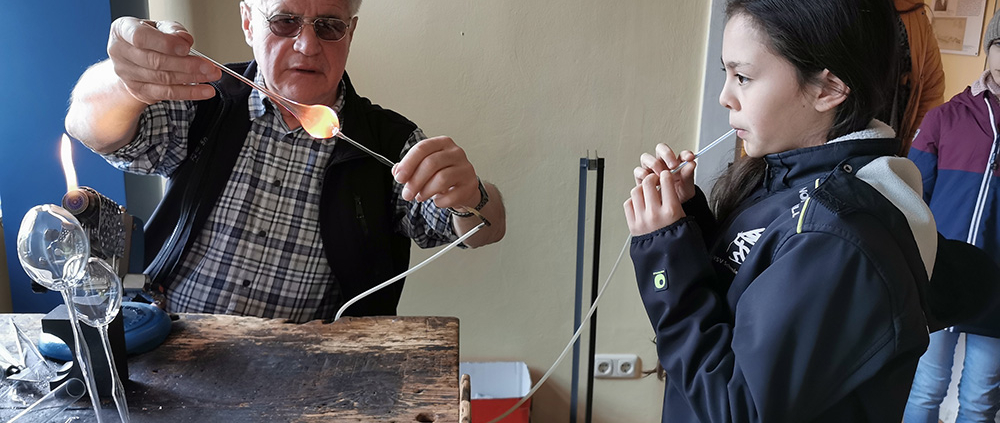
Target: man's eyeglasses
{"points": [[290, 26]]}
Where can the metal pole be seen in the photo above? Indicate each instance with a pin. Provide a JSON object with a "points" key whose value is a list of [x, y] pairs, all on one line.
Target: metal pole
{"points": [[594, 284], [581, 215]]}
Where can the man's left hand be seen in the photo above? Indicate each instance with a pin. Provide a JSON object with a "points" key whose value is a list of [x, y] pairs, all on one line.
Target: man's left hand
{"points": [[438, 168]]}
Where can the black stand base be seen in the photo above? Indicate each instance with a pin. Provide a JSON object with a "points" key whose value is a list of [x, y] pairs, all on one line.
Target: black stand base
{"points": [[57, 323]]}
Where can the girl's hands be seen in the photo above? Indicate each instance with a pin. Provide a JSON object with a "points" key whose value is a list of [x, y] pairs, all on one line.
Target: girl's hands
{"points": [[666, 160], [656, 200]]}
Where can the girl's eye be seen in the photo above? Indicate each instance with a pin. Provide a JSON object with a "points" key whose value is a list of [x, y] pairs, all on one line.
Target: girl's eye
{"points": [[742, 79]]}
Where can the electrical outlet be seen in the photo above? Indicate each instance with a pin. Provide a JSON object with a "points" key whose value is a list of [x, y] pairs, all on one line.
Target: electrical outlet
{"points": [[618, 366], [603, 367]]}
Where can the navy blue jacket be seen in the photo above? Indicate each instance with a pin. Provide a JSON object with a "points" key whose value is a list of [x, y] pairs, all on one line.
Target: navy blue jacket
{"points": [[806, 307]]}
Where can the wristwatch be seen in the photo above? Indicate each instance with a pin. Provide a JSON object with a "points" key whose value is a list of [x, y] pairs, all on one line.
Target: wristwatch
{"points": [[484, 198]]}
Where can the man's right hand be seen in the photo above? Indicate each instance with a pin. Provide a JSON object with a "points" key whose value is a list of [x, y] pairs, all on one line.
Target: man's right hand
{"points": [[148, 63], [151, 59]]}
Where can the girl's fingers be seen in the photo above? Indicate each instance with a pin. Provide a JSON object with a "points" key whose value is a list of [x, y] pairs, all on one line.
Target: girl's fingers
{"points": [[639, 173], [665, 154], [668, 193], [629, 215], [650, 193], [651, 163]]}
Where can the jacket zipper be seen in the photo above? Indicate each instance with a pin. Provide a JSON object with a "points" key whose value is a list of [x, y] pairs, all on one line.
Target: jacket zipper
{"points": [[984, 186], [360, 214]]}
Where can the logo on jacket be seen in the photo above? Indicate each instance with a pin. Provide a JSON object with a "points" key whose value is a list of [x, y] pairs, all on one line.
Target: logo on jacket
{"points": [[803, 196], [660, 280], [740, 247]]}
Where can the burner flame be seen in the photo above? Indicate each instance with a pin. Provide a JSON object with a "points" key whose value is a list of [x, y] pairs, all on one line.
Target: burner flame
{"points": [[66, 154]]}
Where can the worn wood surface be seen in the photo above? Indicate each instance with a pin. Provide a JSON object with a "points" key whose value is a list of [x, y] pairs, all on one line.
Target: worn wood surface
{"points": [[465, 400], [215, 368]]}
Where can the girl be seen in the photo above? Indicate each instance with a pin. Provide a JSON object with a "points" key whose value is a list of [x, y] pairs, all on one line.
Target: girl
{"points": [[802, 304]]}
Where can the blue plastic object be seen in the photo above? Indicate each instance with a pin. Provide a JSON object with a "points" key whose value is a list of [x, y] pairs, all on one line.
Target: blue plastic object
{"points": [[146, 327]]}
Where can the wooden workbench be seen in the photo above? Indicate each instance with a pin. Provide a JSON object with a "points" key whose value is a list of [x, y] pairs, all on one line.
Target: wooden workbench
{"points": [[215, 368]]}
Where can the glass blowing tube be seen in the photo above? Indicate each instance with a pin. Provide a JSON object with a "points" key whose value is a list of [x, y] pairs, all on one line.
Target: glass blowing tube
{"points": [[52, 403]]}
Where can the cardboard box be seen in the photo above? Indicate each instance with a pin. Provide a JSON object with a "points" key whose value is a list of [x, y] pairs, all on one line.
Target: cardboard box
{"points": [[496, 387]]}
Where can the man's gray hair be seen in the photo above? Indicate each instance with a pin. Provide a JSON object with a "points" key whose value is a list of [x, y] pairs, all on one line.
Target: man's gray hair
{"points": [[353, 6]]}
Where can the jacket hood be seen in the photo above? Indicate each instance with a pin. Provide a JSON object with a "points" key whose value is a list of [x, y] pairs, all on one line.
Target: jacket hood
{"points": [[974, 106], [794, 167], [896, 178]]}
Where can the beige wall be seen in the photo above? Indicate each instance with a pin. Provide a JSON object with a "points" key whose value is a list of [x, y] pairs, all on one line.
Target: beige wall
{"points": [[527, 88], [215, 25], [961, 71]]}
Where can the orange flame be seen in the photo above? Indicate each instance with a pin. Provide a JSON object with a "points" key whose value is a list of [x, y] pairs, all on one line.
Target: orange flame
{"points": [[66, 153]]}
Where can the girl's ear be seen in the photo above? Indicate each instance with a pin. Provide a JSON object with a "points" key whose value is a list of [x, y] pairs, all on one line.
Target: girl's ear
{"points": [[831, 93]]}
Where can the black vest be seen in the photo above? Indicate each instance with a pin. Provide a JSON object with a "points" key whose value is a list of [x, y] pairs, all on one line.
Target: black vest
{"points": [[356, 205]]}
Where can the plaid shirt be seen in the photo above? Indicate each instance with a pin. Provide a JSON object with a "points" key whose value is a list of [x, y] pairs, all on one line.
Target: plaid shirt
{"points": [[260, 252]]}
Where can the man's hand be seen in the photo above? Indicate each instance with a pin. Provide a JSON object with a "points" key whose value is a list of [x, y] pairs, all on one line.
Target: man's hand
{"points": [[148, 62], [438, 168], [152, 61]]}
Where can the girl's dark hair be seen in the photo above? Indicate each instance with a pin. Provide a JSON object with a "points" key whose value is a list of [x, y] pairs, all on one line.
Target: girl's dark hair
{"points": [[735, 184], [854, 39]]}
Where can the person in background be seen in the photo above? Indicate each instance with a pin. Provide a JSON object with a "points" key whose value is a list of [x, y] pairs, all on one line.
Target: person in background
{"points": [[956, 150], [260, 218], [921, 84], [797, 299]]}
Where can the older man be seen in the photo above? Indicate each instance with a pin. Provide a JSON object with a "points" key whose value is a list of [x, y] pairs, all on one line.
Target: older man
{"points": [[260, 218]]}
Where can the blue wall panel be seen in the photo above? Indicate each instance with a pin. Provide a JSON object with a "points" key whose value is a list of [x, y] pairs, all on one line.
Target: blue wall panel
{"points": [[45, 49]]}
